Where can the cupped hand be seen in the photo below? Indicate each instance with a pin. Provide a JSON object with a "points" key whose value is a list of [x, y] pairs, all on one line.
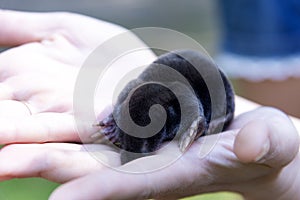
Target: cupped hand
{"points": [[258, 157], [38, 72], [45, 52]]}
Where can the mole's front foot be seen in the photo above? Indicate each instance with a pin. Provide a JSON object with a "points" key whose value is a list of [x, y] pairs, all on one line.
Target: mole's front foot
{"points": [[195, 130], [107, 129]]}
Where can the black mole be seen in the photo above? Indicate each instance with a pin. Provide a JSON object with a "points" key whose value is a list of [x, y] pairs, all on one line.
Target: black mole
{"points": [[142, 93]]}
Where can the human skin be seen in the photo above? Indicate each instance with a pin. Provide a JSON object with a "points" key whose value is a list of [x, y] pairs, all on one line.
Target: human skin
{"points": [[258, 156]]}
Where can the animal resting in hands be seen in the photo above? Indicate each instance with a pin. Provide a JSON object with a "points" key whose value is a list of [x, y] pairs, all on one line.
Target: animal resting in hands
{"points": [[185, 99]]}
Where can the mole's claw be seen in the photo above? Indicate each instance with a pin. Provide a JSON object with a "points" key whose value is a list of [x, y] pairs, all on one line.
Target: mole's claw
{"points": [[107, 127], [107, 130], [104, 131], [96, 135], [109, 120], [188, 137]]}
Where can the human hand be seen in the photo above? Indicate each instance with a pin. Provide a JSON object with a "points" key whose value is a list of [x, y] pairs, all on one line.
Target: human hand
{"points": [[59, 42], [38, 74], [37, 78], [258, 157]]}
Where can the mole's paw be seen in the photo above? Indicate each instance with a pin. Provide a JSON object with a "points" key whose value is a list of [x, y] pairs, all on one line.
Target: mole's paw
{"points": [[107, 121], [193, 132], [107, 130]]}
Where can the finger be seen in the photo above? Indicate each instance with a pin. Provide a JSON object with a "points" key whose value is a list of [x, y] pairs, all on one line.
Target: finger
{"points": [[273, 141], [107, 185], [20, 27], [5, 92], [43, 127], [167, 182], [252, 141], [11, 108], [56, 162], [111, 184], [41, 91], [24, 27]]}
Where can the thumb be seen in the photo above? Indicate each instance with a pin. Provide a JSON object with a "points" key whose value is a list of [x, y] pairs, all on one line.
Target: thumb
{"points": [[272, 141]]}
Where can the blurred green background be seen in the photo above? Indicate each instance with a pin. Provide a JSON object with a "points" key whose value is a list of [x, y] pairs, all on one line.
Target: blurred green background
{"points": [[40, 189], [198, 19]]}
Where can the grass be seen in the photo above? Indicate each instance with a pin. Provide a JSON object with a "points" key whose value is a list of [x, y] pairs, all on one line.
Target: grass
{"points": [[216, 196], [26, 189], [40, 189]]}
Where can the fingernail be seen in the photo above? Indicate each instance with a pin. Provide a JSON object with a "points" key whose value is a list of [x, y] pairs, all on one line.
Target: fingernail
{"points": [[265, 149]]}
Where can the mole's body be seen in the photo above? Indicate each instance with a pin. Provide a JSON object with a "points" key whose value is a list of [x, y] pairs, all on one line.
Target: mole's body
{"points": [[144, 92]]}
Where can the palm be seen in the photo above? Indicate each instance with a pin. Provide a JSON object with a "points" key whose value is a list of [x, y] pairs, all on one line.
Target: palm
{"points": [[38, 76]]}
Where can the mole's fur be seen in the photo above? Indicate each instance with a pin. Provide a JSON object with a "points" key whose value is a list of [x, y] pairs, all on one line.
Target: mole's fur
{"points": [[143, 96]]}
